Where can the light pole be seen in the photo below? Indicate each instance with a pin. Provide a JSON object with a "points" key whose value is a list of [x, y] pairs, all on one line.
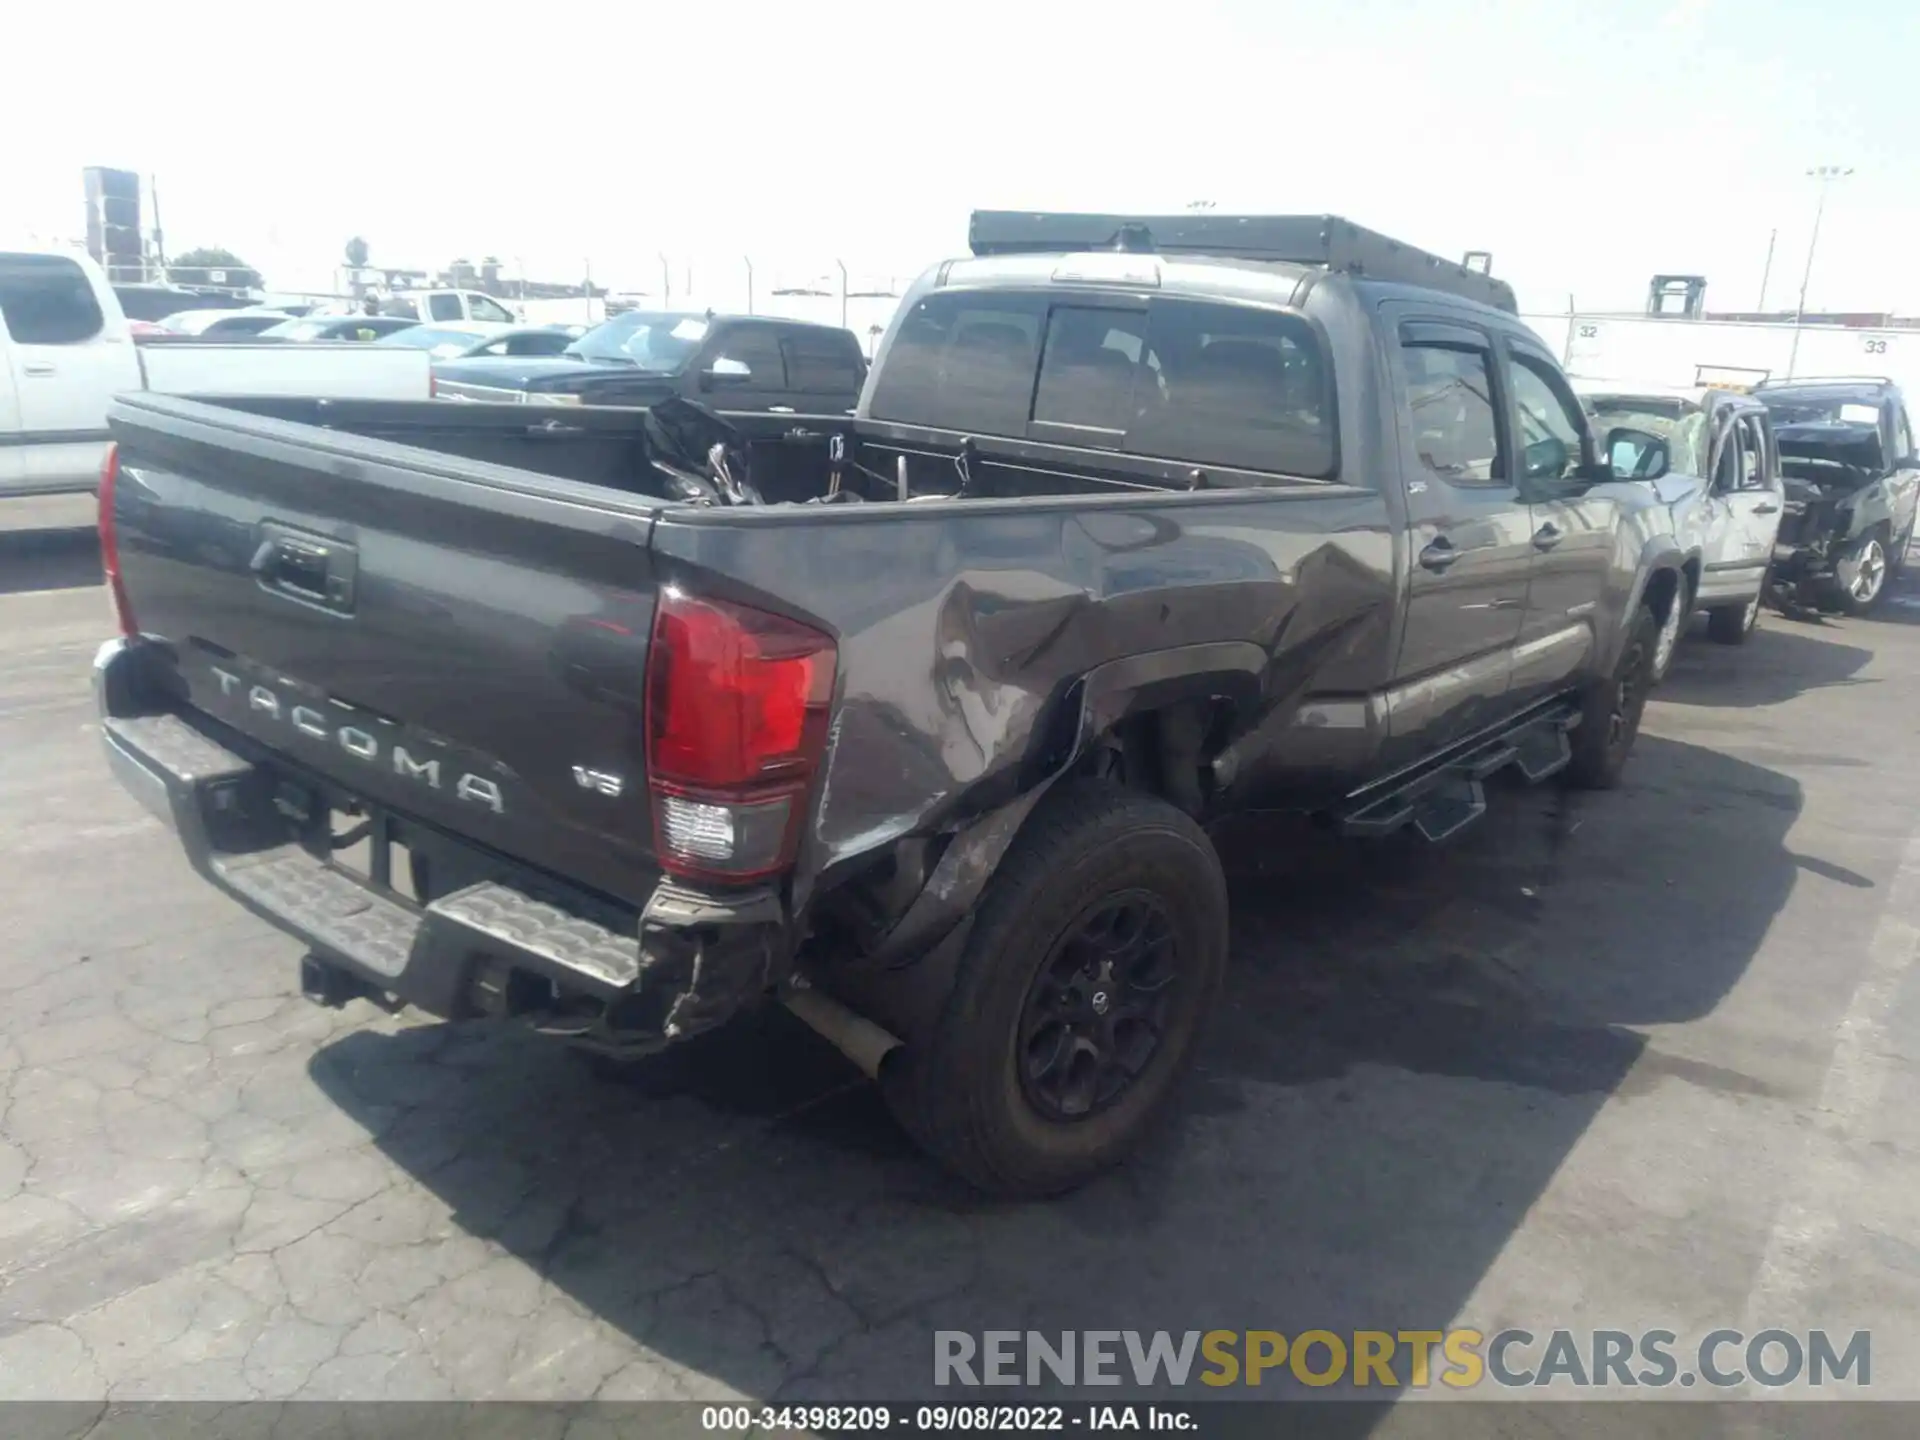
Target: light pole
{"points": [[1826, 175]]}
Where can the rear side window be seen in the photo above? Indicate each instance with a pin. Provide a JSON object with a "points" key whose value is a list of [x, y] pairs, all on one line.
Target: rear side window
{"points": [[46, 300], [816, 365], [444, 307], [963, 362], [1193, 382], [1235, 387], [485, 309]]}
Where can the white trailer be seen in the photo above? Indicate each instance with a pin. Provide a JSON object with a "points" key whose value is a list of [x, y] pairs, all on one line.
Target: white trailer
{"points": [[1670, 350]]}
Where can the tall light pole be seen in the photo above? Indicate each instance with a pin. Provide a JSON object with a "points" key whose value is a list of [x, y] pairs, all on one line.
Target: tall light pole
{"points": [[1826, 175]]}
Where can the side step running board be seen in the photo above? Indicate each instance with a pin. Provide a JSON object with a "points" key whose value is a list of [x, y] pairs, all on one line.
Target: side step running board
{"points": [[1444, 798]]}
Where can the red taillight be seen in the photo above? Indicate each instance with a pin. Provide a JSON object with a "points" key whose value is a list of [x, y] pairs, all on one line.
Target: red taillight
{"points": [[737, 704], [110, 543]]}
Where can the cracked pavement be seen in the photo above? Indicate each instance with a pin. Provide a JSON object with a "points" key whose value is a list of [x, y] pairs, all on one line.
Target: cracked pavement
{"points": [[1643, 1058]]}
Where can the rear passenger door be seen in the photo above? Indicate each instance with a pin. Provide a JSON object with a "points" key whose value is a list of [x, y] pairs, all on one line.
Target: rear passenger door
{"points": [[1753, 501], [1469, 533]]}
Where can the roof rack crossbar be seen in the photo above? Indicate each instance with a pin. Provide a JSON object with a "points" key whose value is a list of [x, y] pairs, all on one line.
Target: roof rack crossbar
{"points": [[1323, 240], [1830, 380]]}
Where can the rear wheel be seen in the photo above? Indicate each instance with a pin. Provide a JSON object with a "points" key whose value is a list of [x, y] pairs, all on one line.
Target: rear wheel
{"points": [[1611, 709], [1731, 624], [1097, 950], [1667, 640], [1861, 575]]}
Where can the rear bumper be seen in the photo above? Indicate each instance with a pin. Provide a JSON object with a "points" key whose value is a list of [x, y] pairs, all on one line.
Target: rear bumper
{"points": [[513, 942]]}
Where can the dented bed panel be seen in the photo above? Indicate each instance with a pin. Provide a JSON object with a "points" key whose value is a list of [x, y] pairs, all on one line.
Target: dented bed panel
{"points": [[963, 626]]}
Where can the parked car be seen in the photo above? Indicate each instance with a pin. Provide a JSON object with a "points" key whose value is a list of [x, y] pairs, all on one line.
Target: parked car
{"points": [[459, 339], [1243, 513], [436, 306], [1852, 490], [66, 348], [1710, 454], [362, 328], [785, 384], [223, 324], [732, 362]]}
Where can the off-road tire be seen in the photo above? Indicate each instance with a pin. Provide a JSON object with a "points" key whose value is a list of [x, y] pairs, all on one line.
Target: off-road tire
{"points": [[1600, 746], [959, 1089], [1732, 624]]}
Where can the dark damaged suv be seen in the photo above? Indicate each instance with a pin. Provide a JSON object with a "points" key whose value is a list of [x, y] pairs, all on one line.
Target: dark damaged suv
{"points": [[1853, 488], [1141, 522]]}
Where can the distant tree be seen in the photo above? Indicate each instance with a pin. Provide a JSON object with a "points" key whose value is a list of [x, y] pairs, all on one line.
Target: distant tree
{"points": [[357, 252], [192, 268]]}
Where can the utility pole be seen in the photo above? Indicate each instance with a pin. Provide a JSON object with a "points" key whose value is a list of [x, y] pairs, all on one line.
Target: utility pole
{"points": [[1766, 271], [1826, 175], [159, 235]]}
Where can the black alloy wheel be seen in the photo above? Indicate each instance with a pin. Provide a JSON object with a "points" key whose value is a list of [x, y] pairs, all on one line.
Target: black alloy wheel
{"points": [[1098, 1006]]}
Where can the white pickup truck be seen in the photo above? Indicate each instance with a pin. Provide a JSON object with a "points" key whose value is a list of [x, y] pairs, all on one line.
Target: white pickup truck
{"points": [[66, 350]]}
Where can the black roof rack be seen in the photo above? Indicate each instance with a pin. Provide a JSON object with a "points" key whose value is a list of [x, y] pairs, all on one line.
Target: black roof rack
{"points": [[1324, 240]]}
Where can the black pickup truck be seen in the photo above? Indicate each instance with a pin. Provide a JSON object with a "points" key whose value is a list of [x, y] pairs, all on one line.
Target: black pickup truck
{"points": [[1141, 522]]}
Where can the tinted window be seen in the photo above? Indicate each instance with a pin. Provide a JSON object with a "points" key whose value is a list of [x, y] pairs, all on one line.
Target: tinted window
{"points": [[657, 344], [1450, 399], [963, 362], [1087, 369], [820, 365], [757, 348], [485, 309], [245, 325], [46, 300], [445, 307], [542, 342], [1236, 387], [1549, 419]]}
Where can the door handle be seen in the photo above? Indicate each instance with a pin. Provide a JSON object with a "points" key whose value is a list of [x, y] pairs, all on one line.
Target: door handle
{"points": [[1768, 509], [780, 409], [37, 368], [1438, 555], [1547, 536]]}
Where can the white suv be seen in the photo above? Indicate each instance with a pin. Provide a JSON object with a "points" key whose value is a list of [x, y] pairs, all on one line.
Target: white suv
{"points": [[65, 351]]}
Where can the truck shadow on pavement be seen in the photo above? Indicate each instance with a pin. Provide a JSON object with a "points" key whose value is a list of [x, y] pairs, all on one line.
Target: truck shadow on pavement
{"points": [[1781, 659], [1413, 1041]]}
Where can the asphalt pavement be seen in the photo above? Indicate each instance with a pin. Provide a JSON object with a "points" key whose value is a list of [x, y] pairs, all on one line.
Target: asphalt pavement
{"points": [[1633, 1059]]}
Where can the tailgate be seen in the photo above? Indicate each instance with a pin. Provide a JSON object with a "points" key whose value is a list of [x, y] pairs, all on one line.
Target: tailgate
{"points": [[460, 642]]}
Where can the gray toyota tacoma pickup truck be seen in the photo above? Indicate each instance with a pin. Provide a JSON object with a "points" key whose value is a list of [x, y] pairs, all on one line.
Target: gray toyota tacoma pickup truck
{"points": [[1140, 522]]}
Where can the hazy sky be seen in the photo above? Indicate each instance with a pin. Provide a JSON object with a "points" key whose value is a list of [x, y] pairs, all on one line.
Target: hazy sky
{"points": [[1587, 145]]}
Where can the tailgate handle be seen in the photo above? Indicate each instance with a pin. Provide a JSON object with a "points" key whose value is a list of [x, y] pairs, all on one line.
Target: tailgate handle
{"points": [[309, 568]]}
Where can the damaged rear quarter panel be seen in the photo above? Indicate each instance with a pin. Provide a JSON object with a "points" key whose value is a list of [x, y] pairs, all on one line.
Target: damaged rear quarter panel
{"points": [[961, 623]]}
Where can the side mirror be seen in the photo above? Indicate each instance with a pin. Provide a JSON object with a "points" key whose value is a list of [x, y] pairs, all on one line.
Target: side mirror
{"points": [[1636, 454], [1907, 462], [725, 374]]}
